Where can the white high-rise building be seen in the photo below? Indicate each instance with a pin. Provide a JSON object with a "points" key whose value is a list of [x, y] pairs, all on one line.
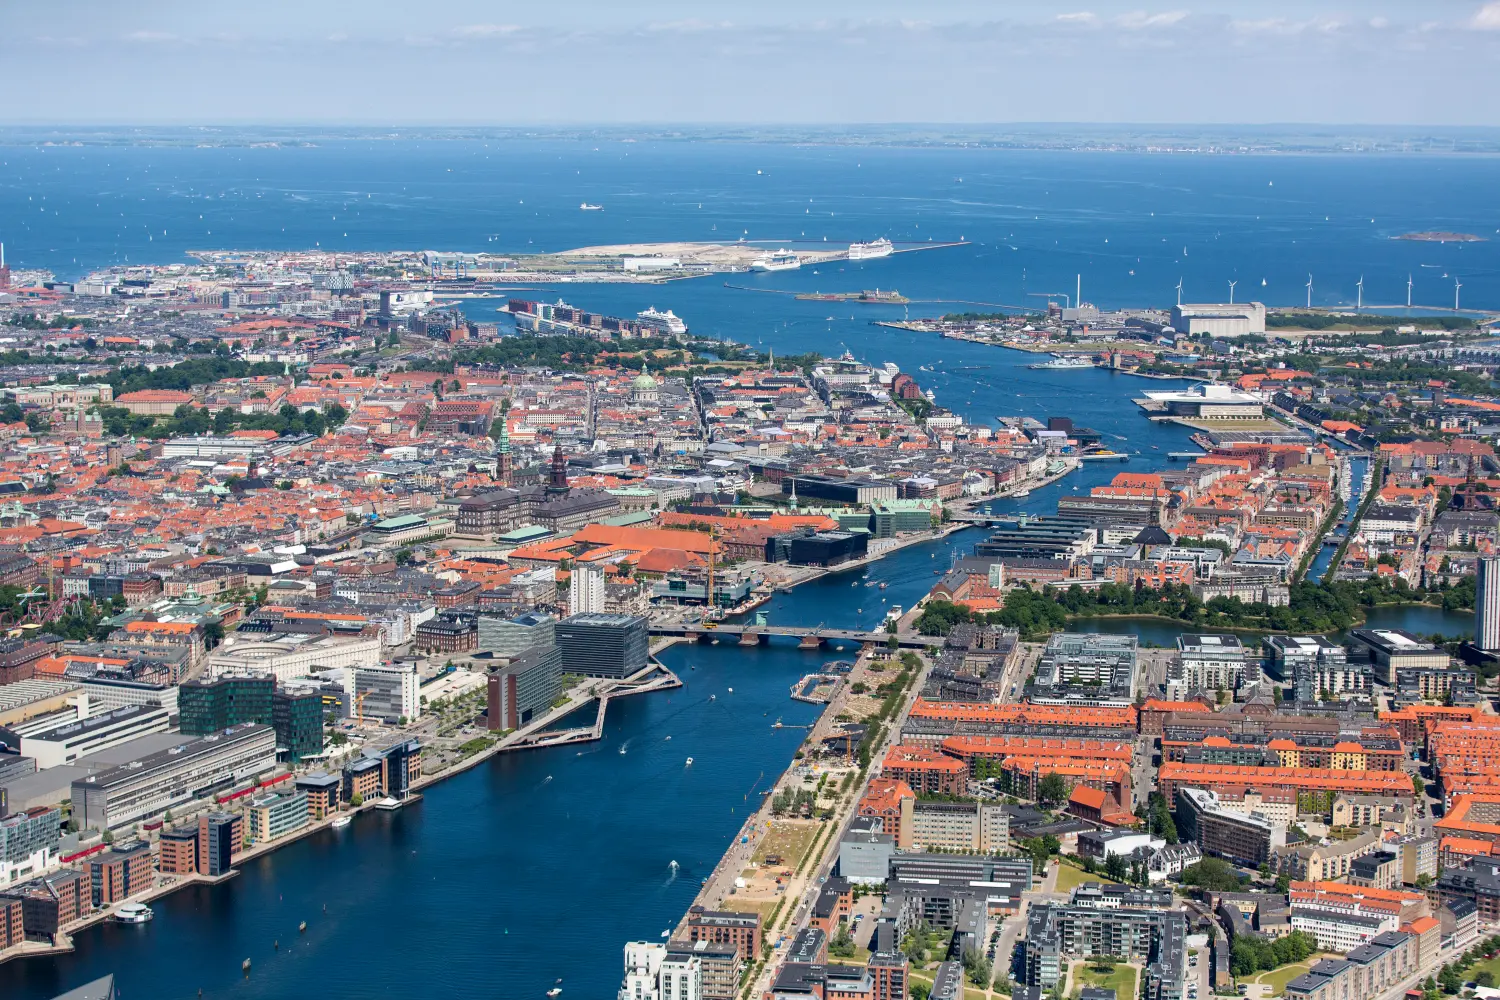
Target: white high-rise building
{"points": [[643, 961], [681, 977], [1487, 604], [586, 591]]}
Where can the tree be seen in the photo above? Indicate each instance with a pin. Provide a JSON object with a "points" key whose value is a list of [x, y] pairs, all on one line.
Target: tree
{"points": [[1052, 789], [1213, 874], [1418, 785], [919, 990], [1485, 978], [842, 945], [109, 837], [978, 968], [356, 800], [1115, 867], [1283, 884]]}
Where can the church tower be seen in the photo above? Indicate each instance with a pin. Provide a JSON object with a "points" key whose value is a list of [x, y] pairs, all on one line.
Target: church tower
{"points": [[559, 483]]}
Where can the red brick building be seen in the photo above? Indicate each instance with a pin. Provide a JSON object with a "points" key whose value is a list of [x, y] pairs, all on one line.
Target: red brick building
{"points": [[12, 928], [118, 873], [926, 771], [178, 851], [740, 930]]}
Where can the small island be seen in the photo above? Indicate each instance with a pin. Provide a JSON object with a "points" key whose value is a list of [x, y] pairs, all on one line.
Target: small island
{"points": [[1441, 237]]}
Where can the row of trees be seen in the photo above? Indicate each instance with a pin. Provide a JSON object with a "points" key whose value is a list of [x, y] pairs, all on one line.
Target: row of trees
{"points": [[288, 420], [1314, 607]]}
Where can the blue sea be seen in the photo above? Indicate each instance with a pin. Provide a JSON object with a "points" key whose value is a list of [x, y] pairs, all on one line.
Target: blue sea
{"points": [[541, 865]]}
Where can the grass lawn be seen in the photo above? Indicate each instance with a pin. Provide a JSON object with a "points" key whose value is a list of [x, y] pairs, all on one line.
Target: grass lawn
{"points": [[1069, 877], [1121, 980], [1492, 964], [1278, 978], [790, 840]]}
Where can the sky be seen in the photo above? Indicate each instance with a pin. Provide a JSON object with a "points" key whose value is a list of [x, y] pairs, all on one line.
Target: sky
{"points": [[394, 62]]}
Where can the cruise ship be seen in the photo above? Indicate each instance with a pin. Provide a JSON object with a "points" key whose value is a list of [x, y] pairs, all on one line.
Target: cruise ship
{"points": [[668, 322], [781, 260], [1072, 361], [877, 248]]}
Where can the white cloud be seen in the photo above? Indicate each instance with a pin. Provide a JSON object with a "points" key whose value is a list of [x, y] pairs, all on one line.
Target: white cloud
{"points": [[687, 26], [1139, 19], [1487, 18], [1080, 17], [150, 36]]}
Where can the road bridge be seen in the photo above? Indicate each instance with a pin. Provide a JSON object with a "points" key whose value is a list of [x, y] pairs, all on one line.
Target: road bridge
{"points": [[808, 638]]}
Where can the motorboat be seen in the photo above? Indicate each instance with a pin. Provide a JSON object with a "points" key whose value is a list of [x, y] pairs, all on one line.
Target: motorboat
{"points": [[339, 822]]}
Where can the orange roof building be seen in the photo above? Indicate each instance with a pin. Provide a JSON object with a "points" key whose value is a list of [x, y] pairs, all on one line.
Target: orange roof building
{"points": [[926, 771], [1309, 782]]}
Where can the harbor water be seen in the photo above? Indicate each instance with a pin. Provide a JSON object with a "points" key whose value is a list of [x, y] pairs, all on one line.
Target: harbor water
{"points": [[540, 865]]}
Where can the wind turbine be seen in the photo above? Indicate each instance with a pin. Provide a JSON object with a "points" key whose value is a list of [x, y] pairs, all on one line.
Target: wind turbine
{"points": [[1408, 291], [1231, 291], [1179, 291], [1456, 286], [1309, 291], [1359, 301]]}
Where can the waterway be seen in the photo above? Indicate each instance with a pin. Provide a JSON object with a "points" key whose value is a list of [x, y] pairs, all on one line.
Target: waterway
{"points": [[540, 865]]}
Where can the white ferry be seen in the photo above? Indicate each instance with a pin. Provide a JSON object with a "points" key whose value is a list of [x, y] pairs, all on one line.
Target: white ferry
{"points": [[876, 248], [781, 260], [667, 321], [894, 614], [586, 207], [1064, 363], [133, 913]]}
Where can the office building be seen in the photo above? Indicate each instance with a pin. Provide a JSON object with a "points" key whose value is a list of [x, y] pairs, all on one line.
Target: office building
{"points": [[1388, 650], [120, 872], [386, 772], [977, 827], [604, 645], [54, 741], [149, 786], [323, 791], [1242, 837], [586, 589], [1487, 604], [390, 692], [220, 837], [12, 923], [509, 636], [524, 687], [290, 655], [29, 844], [273, 816], [1208, 663], [297, 717], [1086, 670], [177, 851], [51, 903], [208, 704]]}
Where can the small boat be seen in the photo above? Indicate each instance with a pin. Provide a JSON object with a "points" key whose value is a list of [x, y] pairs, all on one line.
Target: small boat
{"points": [[622, 750], [731, 690], [586, 207], [554, 991], [689, 762], [133, 913], [882, 586], [340, 822], [713, 697]]}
